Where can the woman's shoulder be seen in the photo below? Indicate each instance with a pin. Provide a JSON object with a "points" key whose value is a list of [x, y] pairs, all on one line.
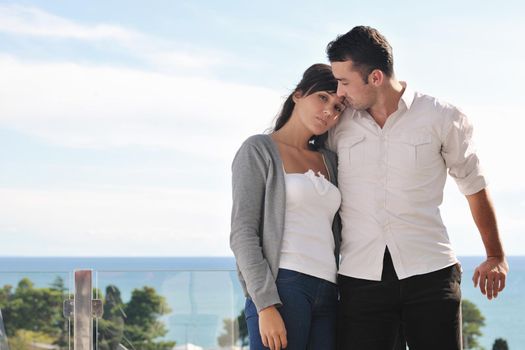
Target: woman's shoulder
{"points": [[261, 142], [255, 155], [258, 139], [255, 147]]}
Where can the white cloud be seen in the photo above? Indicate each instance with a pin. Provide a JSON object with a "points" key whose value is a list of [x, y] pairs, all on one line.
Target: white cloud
{"points": [[24, 20], [101, 107], [159, 53], [181, 59], [114, 221], [498, 138]]}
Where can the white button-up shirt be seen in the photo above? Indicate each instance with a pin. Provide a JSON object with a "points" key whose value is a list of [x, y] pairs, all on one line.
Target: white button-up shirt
{"points": [[392, 181]]}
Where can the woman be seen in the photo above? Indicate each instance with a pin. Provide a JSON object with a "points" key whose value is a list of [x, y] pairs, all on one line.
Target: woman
{"points": [[285, 229]]}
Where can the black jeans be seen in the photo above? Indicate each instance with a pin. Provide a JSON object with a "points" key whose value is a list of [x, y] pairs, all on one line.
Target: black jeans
{"points": [[424, 310]]}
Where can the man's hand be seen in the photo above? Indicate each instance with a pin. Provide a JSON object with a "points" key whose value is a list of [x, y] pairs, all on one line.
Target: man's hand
{"points": [[492, 273], [271, 327], [491, 276]]}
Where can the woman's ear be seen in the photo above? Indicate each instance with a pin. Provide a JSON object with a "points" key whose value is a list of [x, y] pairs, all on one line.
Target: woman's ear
{"points": [[297, 95]]}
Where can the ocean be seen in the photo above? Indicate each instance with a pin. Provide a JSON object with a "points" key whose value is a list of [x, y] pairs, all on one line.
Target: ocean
{"points": [[202, 292]]}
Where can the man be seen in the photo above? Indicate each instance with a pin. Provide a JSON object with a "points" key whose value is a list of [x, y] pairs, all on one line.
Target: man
{"points": [[398, 269]]}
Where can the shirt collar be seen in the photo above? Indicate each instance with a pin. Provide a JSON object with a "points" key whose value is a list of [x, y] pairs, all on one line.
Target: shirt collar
{"points": [[408, 95], [407, 98]]}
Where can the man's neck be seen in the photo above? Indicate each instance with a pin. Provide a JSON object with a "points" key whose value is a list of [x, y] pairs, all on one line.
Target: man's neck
{"points": [[387, 101]]}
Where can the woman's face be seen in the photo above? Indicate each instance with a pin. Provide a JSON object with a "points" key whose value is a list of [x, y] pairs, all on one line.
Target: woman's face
{"points": [[319, 111]]}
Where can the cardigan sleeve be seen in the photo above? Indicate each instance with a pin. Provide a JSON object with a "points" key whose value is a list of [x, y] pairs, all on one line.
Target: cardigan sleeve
{"points": [[249, 175]]}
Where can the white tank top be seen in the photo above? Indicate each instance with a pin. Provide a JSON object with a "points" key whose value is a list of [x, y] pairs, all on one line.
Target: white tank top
{"points": [[308, 242]]}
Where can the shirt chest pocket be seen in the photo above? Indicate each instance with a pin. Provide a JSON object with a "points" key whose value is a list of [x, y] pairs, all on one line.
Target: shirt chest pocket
{"points": [[351, 152], [413, 151]]}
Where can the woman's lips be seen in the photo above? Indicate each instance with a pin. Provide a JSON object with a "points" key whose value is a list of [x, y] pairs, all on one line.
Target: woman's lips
{"points": [[322, 121]]}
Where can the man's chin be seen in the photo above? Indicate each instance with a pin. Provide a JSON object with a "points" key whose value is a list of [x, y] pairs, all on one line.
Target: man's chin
{"points": [[352, 105]]}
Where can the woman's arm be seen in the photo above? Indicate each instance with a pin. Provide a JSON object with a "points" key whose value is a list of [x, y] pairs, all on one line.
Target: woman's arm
{"points": [[249, 173]]}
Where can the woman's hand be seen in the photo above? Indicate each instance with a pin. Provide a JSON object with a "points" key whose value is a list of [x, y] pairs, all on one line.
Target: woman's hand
{"points": [[271, 327]]}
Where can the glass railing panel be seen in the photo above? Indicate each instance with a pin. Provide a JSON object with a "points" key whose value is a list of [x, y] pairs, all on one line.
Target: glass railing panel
{"points": [[170, 310], [31, 310]]}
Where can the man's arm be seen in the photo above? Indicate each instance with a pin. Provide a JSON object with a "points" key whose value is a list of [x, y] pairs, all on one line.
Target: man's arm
{"points": [[492, 273]]}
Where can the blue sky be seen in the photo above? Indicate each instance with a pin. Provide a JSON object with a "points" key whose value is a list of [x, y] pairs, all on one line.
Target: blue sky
{"points": [[119, 119]]}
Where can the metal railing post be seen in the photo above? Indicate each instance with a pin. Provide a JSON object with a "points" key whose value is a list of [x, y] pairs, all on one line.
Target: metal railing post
{"points": [[83, 308], [83, 329]]}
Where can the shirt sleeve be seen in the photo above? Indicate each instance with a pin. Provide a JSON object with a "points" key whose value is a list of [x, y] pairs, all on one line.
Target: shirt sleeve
{"points": [[249, 172], [460, 156]]}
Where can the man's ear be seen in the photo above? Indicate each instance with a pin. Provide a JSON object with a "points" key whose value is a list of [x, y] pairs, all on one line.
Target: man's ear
{"points": [[376, 77]]}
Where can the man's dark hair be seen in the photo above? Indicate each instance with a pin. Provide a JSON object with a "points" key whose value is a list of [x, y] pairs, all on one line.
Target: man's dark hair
{"points": [[366, 48]]}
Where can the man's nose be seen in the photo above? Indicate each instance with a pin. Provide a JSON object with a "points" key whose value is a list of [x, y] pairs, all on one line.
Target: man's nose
{"points": [[339, 92]]}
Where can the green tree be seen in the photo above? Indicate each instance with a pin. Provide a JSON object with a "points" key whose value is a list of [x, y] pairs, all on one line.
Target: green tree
{"points": [[500, 344], [58, 286], [473, 320], [24, 339], [142, 326], [111, 325], [33, 309], [5, 292], [235, 332], [34, 315], [243, 329]]}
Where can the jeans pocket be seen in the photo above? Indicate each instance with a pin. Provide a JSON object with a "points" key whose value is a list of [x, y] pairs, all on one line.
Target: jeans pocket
{"points": [[458, 272]]}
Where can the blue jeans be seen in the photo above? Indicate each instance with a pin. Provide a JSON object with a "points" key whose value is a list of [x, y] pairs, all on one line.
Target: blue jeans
{"points": [[309, 312]]}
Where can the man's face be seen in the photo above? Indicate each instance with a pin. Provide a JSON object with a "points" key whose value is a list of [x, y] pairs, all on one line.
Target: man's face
{"points": [[350, 85]]}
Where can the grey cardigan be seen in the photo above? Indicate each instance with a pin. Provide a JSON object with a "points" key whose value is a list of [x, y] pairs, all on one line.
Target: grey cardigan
{"points": [[257, 221]]}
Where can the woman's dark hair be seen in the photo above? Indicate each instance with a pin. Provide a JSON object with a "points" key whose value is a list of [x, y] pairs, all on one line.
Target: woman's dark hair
{"points": [[366, 48], [316, 78]]}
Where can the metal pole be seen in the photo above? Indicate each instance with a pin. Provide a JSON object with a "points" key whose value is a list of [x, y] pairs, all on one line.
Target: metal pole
{"points": [[83, 329]]}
